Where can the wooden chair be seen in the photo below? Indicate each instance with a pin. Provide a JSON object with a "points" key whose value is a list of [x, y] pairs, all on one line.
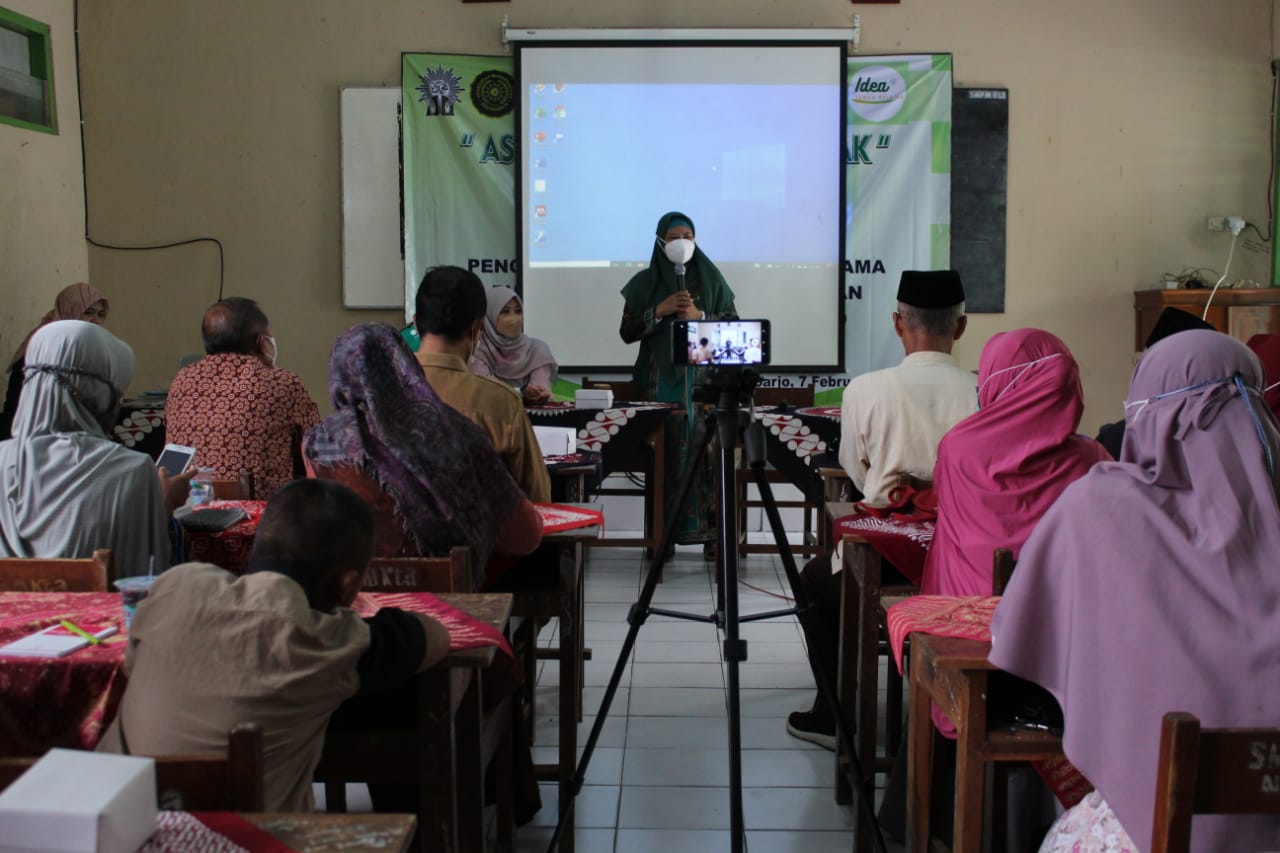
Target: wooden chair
{"points": [[1211, 771], [1002, 565], [201, 782], [238, 489], [810, 543], [420, 574], [361, 756], [90, 574]]}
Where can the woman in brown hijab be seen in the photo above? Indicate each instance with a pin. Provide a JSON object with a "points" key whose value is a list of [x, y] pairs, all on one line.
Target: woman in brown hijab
{"points": [[80, 301]]}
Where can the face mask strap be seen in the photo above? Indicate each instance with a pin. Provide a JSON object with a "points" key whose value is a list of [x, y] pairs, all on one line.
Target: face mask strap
{"points": [[62, 375], [1142, 404], [1026, 365], [1257, 424]]}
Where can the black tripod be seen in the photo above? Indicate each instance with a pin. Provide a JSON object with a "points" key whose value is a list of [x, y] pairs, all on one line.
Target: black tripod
{"points": [[729, 389]]}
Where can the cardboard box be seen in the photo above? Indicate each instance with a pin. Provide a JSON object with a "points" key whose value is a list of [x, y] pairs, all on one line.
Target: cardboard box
{"points": [[556, 441], [80, 802], [593, 398]]}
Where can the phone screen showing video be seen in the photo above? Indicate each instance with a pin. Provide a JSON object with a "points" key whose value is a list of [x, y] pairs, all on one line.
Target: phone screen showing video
{"points": [[722, 342]]}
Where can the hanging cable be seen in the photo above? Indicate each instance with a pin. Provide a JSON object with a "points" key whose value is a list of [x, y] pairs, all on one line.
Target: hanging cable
{"points": [[1209, 301], [84, 176]]}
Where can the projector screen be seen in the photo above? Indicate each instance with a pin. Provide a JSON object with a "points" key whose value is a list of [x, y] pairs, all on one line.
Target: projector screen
{"points": [[745, 139]]}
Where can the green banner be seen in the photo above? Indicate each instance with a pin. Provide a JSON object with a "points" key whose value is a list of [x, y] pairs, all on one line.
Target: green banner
{"points": [[898, 198], [459, 154]]}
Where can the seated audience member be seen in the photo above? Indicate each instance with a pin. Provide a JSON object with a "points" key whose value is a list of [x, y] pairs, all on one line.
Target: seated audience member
{"points": [[891, 420], [1150, 586], [66, 488], [506, 353], [1170, 322], [1267, 349], [891, 423], [450, 314], [430, 474], [702, 353], [75, 302], [279, 646], [1002, 467], [235, 407]]}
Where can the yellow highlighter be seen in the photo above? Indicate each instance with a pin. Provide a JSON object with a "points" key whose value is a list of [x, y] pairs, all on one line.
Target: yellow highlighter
{"points": [[76, 629]]}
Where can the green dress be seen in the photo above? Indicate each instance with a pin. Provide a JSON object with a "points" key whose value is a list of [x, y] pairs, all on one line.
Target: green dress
{"points": [[657, 378]]}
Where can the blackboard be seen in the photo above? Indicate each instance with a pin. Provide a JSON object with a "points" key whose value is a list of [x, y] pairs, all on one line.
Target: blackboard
{"points": [[979, 199]]}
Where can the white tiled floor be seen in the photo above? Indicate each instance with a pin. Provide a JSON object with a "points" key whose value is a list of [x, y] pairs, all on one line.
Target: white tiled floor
{"points": [[658, 779]]}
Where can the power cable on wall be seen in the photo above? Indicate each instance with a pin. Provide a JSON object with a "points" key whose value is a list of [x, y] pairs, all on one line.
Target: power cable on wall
{"points": [[85, 182]]}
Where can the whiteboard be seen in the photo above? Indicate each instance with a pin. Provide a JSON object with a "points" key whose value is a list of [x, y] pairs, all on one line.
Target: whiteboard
{"points": [[372, 259]]}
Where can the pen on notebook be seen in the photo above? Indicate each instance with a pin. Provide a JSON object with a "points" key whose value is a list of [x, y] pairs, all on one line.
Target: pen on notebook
{"points": [[76, 629]]}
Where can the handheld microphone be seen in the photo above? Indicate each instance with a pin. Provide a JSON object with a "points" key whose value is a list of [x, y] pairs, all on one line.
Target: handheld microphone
{"points": [[680, 274]]}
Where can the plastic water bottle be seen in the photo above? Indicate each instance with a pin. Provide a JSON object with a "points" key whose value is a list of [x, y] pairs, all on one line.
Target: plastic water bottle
{"points": [[201, 487]]}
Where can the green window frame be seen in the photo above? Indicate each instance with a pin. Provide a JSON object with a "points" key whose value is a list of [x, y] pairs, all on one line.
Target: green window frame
{"points": [[17, 84]]}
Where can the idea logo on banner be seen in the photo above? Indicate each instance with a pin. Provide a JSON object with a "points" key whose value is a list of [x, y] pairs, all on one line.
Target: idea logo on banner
{"points": [[877, 93]]}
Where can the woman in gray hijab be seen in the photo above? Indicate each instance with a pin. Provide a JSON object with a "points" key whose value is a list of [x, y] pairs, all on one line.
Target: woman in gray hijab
{"points": [[65, 488]]}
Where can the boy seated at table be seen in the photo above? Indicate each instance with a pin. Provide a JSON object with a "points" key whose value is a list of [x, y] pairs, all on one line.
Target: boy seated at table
{"points": [[279, 646]]}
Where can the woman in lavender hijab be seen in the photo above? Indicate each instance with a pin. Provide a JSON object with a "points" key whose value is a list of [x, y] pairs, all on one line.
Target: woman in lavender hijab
{"points": [[1152, 585]]}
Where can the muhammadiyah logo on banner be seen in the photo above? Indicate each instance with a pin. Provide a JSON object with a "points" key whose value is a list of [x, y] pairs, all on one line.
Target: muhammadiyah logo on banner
{"points": [[458, 153]]}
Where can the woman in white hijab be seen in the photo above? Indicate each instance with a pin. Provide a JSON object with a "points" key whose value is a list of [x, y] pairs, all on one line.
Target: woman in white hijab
{"points": [[65, 489]]}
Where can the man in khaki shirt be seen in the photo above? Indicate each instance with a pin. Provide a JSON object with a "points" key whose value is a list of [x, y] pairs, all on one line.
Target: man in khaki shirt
{"points": [[449, 315]]}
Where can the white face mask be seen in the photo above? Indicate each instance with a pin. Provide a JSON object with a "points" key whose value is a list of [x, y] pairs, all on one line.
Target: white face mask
{"points": [[275, 350], [678, 251]]}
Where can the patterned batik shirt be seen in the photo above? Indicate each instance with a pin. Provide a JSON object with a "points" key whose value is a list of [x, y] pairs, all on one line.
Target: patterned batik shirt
{"points": [[240, 415]]}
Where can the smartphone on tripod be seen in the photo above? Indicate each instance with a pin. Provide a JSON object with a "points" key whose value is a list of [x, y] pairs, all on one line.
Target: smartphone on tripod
{"points": [[722, 342]]}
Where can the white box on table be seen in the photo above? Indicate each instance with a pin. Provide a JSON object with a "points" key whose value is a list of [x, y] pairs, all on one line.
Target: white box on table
{"points": [[593, 398], [556, 441], [80, 802]]}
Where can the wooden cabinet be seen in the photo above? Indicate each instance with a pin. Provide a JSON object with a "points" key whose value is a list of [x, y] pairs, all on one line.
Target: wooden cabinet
{"points": [[1240, 313]]}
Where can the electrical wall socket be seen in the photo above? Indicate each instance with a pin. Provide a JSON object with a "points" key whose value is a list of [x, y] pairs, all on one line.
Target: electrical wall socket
{"points": [[1217, 223]]}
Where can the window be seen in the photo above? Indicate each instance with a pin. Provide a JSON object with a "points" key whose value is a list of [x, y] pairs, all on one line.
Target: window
{"points": [[26, 73]]}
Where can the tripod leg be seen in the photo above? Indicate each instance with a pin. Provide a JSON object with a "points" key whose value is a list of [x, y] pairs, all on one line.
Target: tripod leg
{"points": [[754, 442], [635, 618], [735, 648]]}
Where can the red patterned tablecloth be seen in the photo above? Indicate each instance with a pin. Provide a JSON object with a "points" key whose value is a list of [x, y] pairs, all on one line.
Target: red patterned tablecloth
{"points": [[558, 517], [68, 701], [228, 548], [968, 618], [904, 543], [209, 832]]}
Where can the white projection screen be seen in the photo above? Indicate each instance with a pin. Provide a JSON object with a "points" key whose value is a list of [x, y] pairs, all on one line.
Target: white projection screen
{"points": [[744, 138]]}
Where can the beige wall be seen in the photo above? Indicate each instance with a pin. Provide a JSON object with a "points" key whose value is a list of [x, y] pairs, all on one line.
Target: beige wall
{"points": [[42, 246], [1130, 123]]}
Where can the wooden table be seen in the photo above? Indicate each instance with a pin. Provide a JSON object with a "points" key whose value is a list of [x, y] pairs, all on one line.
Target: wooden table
{"points": [[953, 673], [443, 755], [565, 604], [336, 833]]}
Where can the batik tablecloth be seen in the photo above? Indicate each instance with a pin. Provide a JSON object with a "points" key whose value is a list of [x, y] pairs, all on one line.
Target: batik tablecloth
{"points": [[231, 548], [901, 541], [68, 701], [613, 432], [796, 438]]}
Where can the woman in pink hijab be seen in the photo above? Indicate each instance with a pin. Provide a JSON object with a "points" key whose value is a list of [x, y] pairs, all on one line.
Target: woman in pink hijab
{"points": [[1152, 585], [80, 301], [505, 352], [1002, 467]]}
